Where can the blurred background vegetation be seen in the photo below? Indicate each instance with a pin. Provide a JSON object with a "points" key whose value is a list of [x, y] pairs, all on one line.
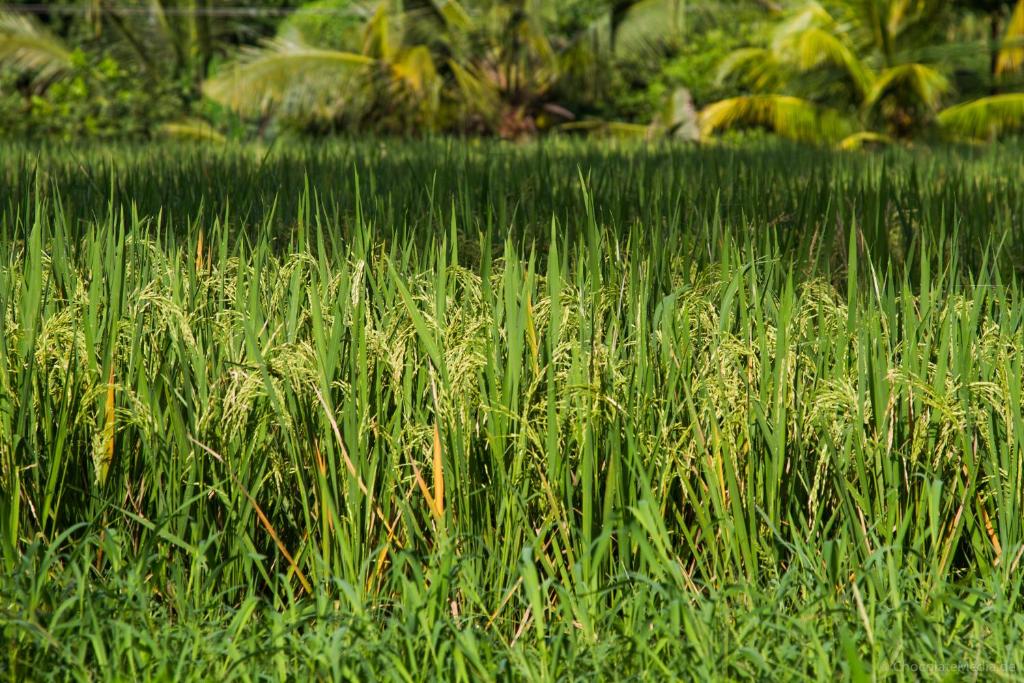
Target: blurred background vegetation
{"points": [[846, 72]]}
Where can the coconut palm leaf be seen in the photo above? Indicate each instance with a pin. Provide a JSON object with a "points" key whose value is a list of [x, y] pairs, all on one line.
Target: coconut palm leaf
{"points": [[985, 118], [809, 40], [415, 68], [192, 129], [1011, 57], [284, 70], [756, 67], [903, 37], [453, 14], [862, 138], [607, 129], [432, 22], [810, 15], [382, 34], [26, 46], [636, 25], [478, 94], [816, 47], [926, 83], [790, 117]]}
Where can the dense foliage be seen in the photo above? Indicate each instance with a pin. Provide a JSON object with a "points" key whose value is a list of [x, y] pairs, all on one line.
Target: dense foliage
{"points": [[844, 72], [477, 412], [116, 70], [856, 70]]}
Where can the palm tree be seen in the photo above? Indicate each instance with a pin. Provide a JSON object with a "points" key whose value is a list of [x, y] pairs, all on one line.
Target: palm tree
{"points": [[877, 58], [386, 73], [490, 66], [487, 66]]}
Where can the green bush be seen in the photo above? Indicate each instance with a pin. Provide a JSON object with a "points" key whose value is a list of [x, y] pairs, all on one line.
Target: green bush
{"points": [[101, 98]]}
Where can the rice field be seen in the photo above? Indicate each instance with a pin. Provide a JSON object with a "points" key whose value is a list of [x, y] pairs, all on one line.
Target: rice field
{"points": [[467, 411]]}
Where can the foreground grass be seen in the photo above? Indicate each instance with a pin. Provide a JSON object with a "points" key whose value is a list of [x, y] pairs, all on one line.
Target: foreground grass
{"points": [[448, 412]]}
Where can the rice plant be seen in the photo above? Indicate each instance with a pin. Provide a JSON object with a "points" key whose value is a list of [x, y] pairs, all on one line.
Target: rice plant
{"points": [[450, 411]]}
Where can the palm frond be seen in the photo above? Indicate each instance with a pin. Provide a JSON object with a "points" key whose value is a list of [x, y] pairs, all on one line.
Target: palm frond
{"points": [[645, 23], [753, 66], [808, 40], [927, 83], [453, 13], [415, 69], [810, 15], [816, 47], [862, 138], [379, 37], [1011, 57], [28, 47], [282, 70], [598, 128], [790, 117], [985, 118], [192, 129], [479, 95]]}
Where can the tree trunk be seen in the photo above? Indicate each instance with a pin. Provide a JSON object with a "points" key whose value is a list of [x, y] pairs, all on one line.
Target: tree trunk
{"points": [[205, 46]]}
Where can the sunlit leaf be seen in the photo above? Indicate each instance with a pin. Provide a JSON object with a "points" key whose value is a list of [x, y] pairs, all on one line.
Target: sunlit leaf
{"points": [[269, 75], [790, 117], [985, 118], [927, 84], [1011, 56]]}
